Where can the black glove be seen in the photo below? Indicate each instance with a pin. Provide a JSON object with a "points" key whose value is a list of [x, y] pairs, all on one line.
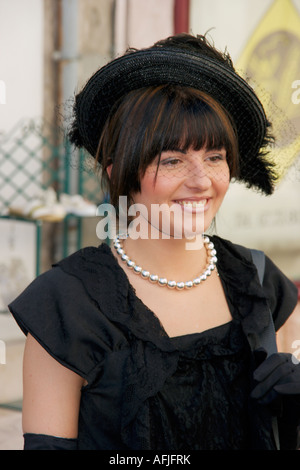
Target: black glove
{"points": [[278, 386], [277, 375]]}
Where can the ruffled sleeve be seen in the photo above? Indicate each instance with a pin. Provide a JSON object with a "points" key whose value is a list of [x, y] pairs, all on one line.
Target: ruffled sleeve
{"points": [[57, 311]]}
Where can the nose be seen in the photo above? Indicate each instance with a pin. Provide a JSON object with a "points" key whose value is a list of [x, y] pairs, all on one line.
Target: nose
{"points": [[198, 177]]}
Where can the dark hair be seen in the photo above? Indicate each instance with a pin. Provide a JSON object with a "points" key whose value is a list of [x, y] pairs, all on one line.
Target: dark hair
{"points": [[151, 120]]}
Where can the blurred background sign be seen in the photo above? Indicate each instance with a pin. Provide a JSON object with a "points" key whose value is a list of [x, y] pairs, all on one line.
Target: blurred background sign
{"points": [[271, 62]]}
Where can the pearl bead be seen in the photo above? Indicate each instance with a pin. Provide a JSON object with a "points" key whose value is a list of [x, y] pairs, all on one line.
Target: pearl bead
{"points": [[188, 284], [171, 284], [180, 285], [154, 278]]}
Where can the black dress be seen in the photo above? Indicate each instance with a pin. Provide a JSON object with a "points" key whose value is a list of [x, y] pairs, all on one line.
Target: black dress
{"points": [[146, 390]]}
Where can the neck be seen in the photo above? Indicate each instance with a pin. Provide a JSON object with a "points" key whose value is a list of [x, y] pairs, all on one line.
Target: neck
{"points": [[168, 257]]}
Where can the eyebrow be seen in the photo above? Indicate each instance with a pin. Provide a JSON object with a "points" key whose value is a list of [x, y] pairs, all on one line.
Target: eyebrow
{"points": [[177, 150]]}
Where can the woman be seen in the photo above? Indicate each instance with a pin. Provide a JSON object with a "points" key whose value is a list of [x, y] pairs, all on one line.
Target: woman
{"points": [[154, 342]]}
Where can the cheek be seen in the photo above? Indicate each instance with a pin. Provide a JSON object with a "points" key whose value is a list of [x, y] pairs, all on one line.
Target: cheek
{"points": [[155, 189], [223, 181], [224, 185], [146, 192]]}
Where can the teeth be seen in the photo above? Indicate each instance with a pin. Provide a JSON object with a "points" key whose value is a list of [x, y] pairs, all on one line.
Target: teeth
{"points": [[193, 203]]}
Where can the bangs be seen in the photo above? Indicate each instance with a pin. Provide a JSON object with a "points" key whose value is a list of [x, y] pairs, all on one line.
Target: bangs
{"points": [[182, 118]]}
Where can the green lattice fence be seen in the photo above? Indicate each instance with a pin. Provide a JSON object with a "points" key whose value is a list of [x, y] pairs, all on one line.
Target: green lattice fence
{"points": [[89, 184], [35, 156]]}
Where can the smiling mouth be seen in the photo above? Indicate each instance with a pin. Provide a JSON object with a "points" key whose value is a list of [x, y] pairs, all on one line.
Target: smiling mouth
{"points": [[192, 205]]}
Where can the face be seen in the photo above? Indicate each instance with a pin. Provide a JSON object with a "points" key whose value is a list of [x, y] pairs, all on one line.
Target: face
{"points": [[189, 187]]}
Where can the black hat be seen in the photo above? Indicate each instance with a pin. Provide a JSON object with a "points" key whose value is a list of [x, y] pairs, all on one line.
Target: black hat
{"points": [[188, 61]]}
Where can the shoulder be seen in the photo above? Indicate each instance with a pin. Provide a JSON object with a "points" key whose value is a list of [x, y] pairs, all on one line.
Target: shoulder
{"points": [[61, 310], [279, 290], [229, 249], [68, 277], [50, 287]]}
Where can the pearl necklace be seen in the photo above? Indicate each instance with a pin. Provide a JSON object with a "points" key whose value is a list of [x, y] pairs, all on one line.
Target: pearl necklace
{"points": [[155, 279]]}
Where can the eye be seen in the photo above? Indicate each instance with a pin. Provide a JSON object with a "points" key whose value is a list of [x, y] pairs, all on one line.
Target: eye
{"points": [[216, 157], [170, 162]]}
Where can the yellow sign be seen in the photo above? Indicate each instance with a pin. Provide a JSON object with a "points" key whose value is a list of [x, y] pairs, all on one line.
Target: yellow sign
{"points": [[271, 63]]}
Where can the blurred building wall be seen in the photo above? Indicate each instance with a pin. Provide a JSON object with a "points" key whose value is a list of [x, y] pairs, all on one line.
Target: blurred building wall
{"points": [[21, 60], [140, 23]]}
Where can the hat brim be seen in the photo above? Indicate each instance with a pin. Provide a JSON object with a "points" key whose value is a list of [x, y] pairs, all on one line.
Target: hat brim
{"points": [[157, 66]]}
